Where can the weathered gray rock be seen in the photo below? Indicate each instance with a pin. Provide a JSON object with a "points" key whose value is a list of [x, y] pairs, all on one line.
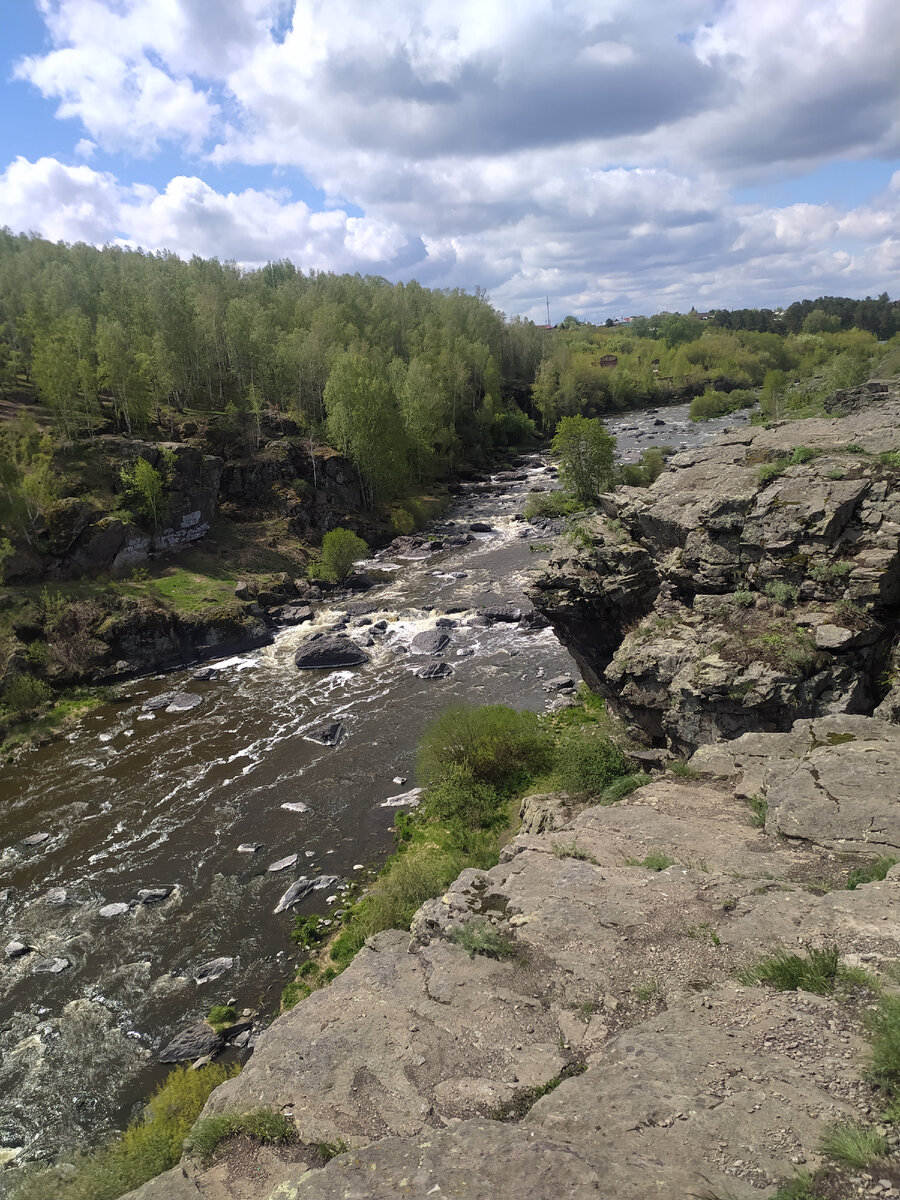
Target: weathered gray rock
{"points": [[326, 735], [154, 895], [16, 949], [434, 671], [717, 601], [35, 839], [191, 1043], [430, 641], [115, 910], [296, 806], [50, 966], [329, 652], [212, 970], [249, 847], [831, 781], [183, 702], [295, 614], [283, 863], [501, 613], [295, 893]]}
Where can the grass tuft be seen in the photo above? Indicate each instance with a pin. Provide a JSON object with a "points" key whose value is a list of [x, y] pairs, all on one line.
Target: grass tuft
{"points": [[656, 860], [854, 1145], [817, 971], [870, 872], [261, 1124], [479, 937]]}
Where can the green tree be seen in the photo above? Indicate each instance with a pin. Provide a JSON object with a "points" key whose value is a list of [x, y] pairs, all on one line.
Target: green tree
{"points": [[586, 456], [341, 548], [147, 489], [364, 423]]}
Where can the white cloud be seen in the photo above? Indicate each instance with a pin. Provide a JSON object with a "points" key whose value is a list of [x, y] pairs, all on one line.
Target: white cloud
{"points": [[585, 147], [627, 241]]}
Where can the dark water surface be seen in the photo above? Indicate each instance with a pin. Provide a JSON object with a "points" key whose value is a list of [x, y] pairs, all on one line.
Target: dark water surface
{"points": [[138, 798]]}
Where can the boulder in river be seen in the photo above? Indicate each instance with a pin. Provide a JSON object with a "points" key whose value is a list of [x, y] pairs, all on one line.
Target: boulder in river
{"points": [[327, 735], [183, 702], [283, 863], [16, 949], [501, 613], [430, 641], [35, 839], [154, 895], [249, 847], [438, 670], [408, 799], [214, 969], [481, 527], [157, 702], [295, 806], [295, 614], [206, 674], [115, 910], [295, 893], [51, 966], [329, 653], [200, 1039]]}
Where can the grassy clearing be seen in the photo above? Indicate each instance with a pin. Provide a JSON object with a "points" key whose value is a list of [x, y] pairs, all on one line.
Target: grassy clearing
{"points": [[261, 1124], [150, 1145]]}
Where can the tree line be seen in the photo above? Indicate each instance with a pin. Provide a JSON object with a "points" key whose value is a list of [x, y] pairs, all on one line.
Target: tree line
{"points": [[404, 379]]}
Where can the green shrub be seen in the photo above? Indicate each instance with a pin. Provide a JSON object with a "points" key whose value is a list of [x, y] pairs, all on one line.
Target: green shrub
{"points": [[759, 809], [495, 745], [782, 592], [890, 458], [830, 572], [220, 1016], [458, 798], [549, 504], [655, 861], [260, 1124], [803, 454], [623, 786], [719, 404], [588, 761], [402, 520], [341, 548], [884, 1052], [24, 695], [150, 1145], [769, 471], [743, 598]]}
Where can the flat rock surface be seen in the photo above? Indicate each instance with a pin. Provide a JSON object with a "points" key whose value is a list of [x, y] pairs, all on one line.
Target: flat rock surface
{"points": [[619, 983], [832, 781], [331, 652]]}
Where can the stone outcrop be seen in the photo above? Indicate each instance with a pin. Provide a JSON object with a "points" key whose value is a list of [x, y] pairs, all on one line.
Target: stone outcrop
{"points": [[755, 582], [832, 781], [594, 1036]]}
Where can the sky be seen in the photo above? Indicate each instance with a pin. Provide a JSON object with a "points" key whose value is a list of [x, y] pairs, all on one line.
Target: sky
{"points": [[616, 156]]}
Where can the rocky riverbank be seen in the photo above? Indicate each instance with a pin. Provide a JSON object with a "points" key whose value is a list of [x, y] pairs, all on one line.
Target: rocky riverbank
{"points": [[755, 582], [593, 1036]]}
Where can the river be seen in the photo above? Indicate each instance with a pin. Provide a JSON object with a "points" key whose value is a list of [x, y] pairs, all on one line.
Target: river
{"points": [[140, 798]]}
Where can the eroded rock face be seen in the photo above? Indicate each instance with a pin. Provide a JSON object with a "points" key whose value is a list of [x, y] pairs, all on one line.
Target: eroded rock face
{"points": [[722, 600]]}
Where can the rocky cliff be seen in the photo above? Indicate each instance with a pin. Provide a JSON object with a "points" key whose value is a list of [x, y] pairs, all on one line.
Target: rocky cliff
{"points": [[757, 581], [570, 1022]]}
